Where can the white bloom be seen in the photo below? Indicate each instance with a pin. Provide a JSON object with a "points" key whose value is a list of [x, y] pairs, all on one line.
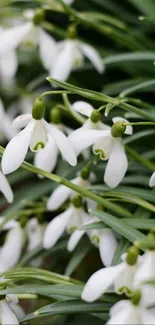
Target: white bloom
{"points": [[6, 129], [7, 316], [62, 193], [120, 276], [152, 180], [69, 220], [12, 248], [104, 239], [108, 147], [47, 157], [35, 233], [5, 188], [125, 313], [12, 301], [35, 135], [146, 272], [12, 37], [70, 54], [8, 67]]}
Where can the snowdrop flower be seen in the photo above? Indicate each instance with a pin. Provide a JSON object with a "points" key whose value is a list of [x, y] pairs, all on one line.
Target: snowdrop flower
{"points": [[5, 188], [35, 232], [6, 129], [109, 146], [29, 31], [7, 315], [104, 239], [11, 250], [152, 180], [93, 116], [34, 135], [63, 193], [47, 157], [146, 272], [125, 312], [69, 220], [120, 276], [70, 54]]}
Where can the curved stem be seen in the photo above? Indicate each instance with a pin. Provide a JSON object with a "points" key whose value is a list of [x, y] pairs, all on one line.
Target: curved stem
{"points": [[139, 123], [54, 92]]}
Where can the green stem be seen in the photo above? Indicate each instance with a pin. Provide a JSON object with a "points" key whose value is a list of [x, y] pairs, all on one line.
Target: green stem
{"points": [[137, 111], [54, 92], [60, 180], [139, 158], [75, 115], [139, 123]]}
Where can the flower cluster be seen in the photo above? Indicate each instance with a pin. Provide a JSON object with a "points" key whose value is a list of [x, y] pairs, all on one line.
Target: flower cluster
{"points": [[69, 140]]}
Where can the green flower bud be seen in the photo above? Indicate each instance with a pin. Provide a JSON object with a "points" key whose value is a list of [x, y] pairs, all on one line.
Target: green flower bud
{"points": [[38, 16], [95, 116], [38, 109], [23, 221], [85, 172], [77, 201], [132, 255], [72, 32], [136, 297], [118, 129], [95, 239], [55, 116]]}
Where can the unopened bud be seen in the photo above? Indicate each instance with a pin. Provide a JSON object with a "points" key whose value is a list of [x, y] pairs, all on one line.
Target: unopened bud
{"points": [[77, 201], [136, 297], [38, 109], [85, 172], [38, 16], [118, 129], [95, 116], [132, 255], [72, 32], [55, 116]]}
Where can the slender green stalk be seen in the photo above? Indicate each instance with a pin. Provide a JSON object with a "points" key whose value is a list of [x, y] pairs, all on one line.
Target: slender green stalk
{"points": [[139, 158], [54, 92], [60, 180], [139, 123], [73, 113], [137, 111]]}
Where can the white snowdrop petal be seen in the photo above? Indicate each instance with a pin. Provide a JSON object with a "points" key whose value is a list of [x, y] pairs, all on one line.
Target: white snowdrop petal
{"points": [[93, 56], [47, 48], [5, 188], [81, 138], [22, 120], [38, 139], [8, 66], [46, 158], [146, 268], [118, 307], [152, 180], [59, 196], [107, 246], [129, 128], [8, 317], [63, 63], [125, 279], [83, 108], [12, 37], [16, 150], [8, 225], [74, 239], [117, 165], [103, 147], [147, 317], [17, 310], [100, 281], [12, 248], [12, 297], [56, 228], [68, 2], [62, 143], [125, 316]]}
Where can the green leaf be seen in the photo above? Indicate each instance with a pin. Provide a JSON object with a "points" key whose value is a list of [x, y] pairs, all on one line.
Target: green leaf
{"points": [[119, 226], [28, 273], [122, 247], [79, 254], [143, 224], [83, 92], [132, 56], [74, 306], [133, 89]]}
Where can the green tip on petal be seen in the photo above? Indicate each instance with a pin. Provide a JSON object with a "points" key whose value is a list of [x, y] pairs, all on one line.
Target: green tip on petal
{"points": [[39, 145], [39, 16], [100, 153]]}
